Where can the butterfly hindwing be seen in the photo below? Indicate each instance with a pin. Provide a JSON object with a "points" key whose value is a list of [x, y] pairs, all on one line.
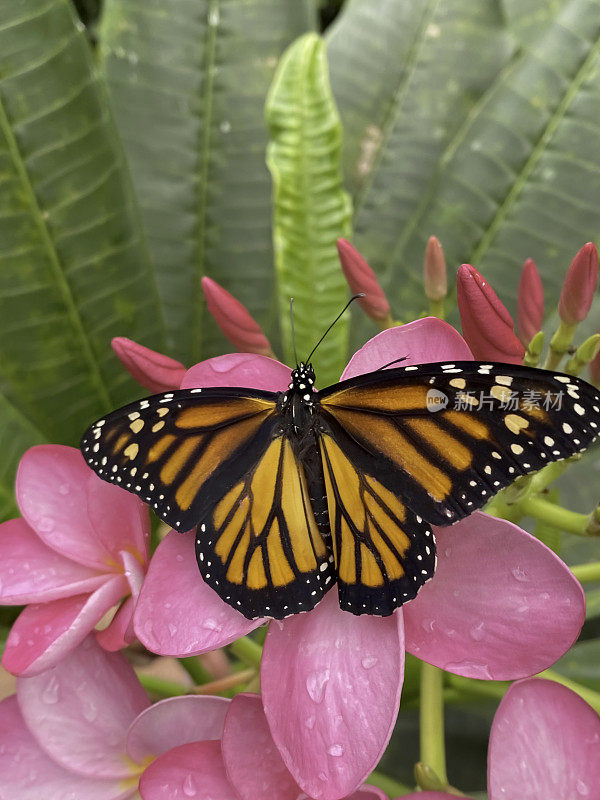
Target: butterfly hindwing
{"points": [[177, 450], [259, 547], [384, 552], [446, 437]]}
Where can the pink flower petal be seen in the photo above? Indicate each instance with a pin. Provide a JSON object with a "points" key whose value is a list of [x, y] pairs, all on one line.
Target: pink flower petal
{"points": [[578, 290], [155, 371], [192, 770], [367, 792], [30, 572], [120, 521], [501, 604], [239, 369], [177, 613], [45, 633], [234, 319], [331, 687], [422, 341], [173, 722], [435, 277], [119, 632], [51, 492], [246, 733], [544, 743], [362, 280], [80, 711], [29, 774]]}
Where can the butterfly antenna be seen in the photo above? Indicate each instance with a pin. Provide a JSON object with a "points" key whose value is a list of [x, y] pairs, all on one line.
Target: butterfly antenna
{"points": [[352, 299], [293, 330]]}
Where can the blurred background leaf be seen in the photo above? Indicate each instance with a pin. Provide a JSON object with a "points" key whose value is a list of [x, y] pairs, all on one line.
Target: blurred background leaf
{"points": [[188, 83], [75, 267], [311, 209]]}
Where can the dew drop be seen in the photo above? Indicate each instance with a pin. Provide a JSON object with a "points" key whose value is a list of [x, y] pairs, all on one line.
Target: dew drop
{"points": [[477, 632], [90, 712], [172, 629], [315, 685], [368, 663], [50, 693], [336, 750], [519, 574], [189, 788], [310, 722], [582, 788]]}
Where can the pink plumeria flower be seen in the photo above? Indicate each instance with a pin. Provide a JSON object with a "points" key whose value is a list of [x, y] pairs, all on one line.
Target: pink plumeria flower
{"points": [[204, 769], [234, 320], [486, 324], [501, 606], [153, 370], [544, 745], [80, 548], [85, 729]]}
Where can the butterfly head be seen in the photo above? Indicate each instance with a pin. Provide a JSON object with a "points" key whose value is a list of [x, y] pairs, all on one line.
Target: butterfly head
{"points": [[303, 380]]}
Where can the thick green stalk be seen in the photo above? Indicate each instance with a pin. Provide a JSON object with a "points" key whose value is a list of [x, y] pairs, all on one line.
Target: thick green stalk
{"points": [[587, 573], [554, 515], [433, 748], [247, 651]]}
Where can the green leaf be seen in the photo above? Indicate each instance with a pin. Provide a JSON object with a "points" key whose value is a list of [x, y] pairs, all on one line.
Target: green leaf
{"points": [[407, 77], [188, 83], [530, 19], [74, 265], [582, 664], [311, 208]]}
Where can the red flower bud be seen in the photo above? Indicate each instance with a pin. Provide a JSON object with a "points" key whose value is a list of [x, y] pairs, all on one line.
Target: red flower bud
{"points": [[579, 286], [156, 372], [434, 271], [530, 302], [234, 320], [486, 324], [361, 278]]}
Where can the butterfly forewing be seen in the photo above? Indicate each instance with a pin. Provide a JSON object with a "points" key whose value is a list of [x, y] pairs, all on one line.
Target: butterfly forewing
{"points": [[446, 437], [178, 451]]}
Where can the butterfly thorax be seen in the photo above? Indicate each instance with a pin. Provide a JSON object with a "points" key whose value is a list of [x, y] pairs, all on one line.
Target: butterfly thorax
{"points": [[298, 402]]}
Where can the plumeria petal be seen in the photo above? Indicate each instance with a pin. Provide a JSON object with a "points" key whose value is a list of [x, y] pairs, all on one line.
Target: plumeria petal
{"points": [[30, 572], [238, 369], [29, 774], [45, 633], [192, 770], [119, 632], [155, 371], [501, 605], [80, 711], [177, 613], [367, 792], [119, 519], [51, 488], [234, 319], [331, 687], [173, 722], [544, 743], [423, 341], [246, 733]]}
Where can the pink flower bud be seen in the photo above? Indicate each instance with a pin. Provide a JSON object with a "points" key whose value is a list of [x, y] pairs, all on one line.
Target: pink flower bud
{"points": [[361, 278], [530, 302], [434, 271], [486, 324], [234, 320], [156, 372], [579, 286]]}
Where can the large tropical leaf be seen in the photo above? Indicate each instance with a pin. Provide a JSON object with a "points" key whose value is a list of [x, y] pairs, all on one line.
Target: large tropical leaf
{"points": [[311, 208], [530, 19], [74, 269], [188, 83]]}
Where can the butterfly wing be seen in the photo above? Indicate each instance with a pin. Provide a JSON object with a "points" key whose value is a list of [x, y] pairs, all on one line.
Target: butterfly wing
{"points": [[259, 547], [181, 451], [445, 437], [217, 459]]}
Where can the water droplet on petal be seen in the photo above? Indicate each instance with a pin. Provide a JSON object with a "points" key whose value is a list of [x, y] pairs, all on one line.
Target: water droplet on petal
{"points": [[189, 788], [50, 693], [519, 574], [310, 722], [90, 712], [368, 663], [172, 629], [582, 788], [315, 685], [477, 632], [336, 750]]}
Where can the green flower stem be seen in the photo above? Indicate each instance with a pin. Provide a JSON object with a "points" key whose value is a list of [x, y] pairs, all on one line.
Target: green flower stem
{"points": [[559, 345], [390, 786], [494, 690], [586, 352], [195, 670], [587, 573], [534, 349], [433, 749], [589, 695], [436, 308], [386, 322], [223, 685], [554, 515], [161, 687], [248, 651]]}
